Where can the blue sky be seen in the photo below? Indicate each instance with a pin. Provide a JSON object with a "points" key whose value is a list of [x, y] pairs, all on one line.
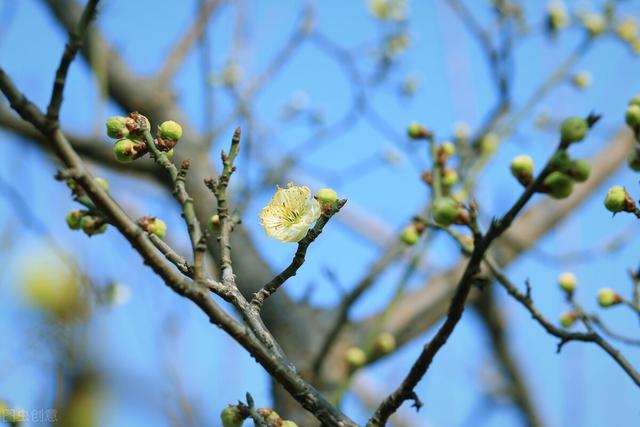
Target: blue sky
{"points": [[134, 343]]}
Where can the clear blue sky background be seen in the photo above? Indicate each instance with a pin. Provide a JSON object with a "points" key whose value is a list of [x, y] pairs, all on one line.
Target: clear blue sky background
{"points": [[581, 386]]}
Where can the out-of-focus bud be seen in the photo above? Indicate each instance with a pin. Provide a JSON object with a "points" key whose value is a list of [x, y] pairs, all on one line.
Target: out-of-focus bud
{"points": [[568, 282], [574, 129], [607, 297], [559, 185]]}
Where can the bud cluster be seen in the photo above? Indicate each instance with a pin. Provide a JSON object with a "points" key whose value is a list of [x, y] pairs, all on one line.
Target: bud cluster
{"points": [[129, 135], [89, 220], [559, 183], [235, 415]]}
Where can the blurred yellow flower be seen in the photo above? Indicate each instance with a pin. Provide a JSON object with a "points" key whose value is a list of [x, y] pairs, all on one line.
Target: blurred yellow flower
{"points": [[290, 213]]}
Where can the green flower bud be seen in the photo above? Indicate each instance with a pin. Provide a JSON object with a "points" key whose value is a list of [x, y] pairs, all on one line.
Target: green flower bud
{"points": [[157, 226], [568, 318], [288, 423], [445, 211], [557, 16], [632, 116], [102, 183], [594, 23], [355, 357], [117, 127], [170, 130], [582, 79], [409, 235], [125, 150], [214, 223], [73, 219], [269, 415], [417, 131], [627, 29], [634, 161], [579, 170], [561, 161], [92, 225], [574, 129], [231, 417], [608, 297], [449, 177], [153, 225], [448, 148], [567, 282], [522, 166], [615, 199], [385, 343], [326, 196], [559, 185], [488, 144]]}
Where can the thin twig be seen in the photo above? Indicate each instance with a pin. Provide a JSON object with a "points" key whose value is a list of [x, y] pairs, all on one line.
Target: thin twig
{"points": [[565, 336], [198, 244], [70, 50], [390, 255], [298, 259]]}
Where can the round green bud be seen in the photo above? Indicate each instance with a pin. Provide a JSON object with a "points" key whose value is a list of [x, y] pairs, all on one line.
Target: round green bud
{"points": [[449, 177], [634, 161], [445, 211], [635, 100], [489, 143], [326, 196], [561, 160], [582, 79], [615, 199], [448, 148], [156, 226], [568, 318], [574, 129], [117, 127], [580, 170], [92, 225], [627, 29], [170, 130], [214, 223], [269, 415], [567, 282], [632, 116], [73, 219], [560, 185], [288, 423], [417, 131], [522, 166], [385, 343], [125, 150], [355, 357], [557, 16], [594, 23], [102, 183], [231, 417], [608, 297], [409, 235]]}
